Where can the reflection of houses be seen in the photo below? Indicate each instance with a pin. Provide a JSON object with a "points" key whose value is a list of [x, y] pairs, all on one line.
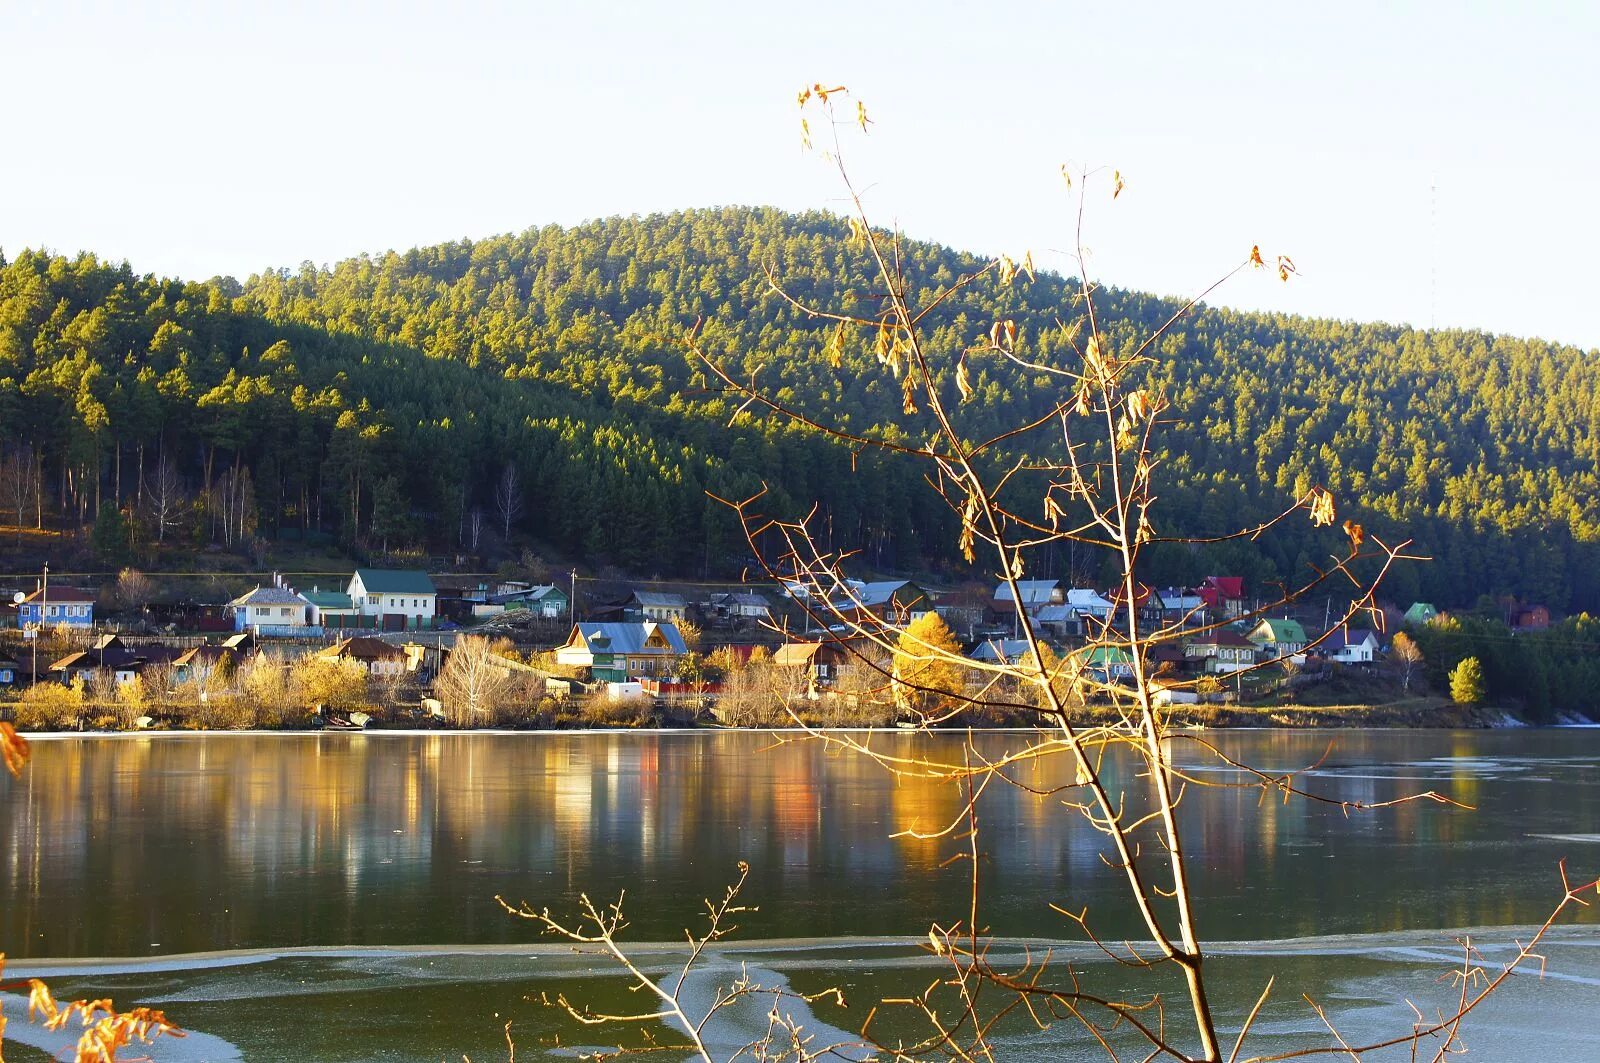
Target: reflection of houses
{"points": [[377, 657], [822, 660], [57, 607], [1222, 650], [1279, 638], [615, 651], [8, 671], [394, 599], [1351, 646], [274, 610]]}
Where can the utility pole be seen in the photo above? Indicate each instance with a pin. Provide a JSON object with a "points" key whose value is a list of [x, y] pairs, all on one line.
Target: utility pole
{"points": [[572, 602]]}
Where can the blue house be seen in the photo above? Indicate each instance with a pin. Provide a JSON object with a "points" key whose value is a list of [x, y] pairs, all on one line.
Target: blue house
{"points": [[57, 606]]}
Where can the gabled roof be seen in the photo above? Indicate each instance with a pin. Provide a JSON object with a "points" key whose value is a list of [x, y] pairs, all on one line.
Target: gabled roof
{"points": [[1000, 650], [364, 648], [1087, 598], [1054, 614], [1353, 637], [880, 593], [396, 581], [660, 600], [1421, 612], [1034, 591], [1229, 586], [1280, 630], [796, 654], [61, 595], [626, 638], [269, 596]]}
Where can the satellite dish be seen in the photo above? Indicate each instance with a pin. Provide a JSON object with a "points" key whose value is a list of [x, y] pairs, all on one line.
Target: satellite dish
{"points": [[19, 598]]}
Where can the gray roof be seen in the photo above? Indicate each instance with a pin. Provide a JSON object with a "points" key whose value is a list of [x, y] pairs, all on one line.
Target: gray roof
{"points": [[396, 581], [269, 596], [629, 638], [1034, 591], [660, 600], [1000, 649]]}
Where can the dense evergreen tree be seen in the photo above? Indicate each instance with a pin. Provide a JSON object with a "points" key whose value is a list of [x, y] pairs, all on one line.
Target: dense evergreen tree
{"points": [[385, 397]]}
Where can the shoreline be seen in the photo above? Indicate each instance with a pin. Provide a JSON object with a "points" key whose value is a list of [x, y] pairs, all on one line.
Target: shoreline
{"points": [[1219, 718]]}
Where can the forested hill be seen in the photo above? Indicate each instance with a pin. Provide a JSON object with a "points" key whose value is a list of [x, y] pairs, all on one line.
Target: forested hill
{"points": [[382, 401]]}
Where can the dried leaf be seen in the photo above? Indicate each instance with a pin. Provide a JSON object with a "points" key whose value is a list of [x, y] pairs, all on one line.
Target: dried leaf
{"points": [[1066, 174], [909, 406], [1319, 503], [963, 383], [1357, 534], [1027, 265], [14, 749], [835, 348], [969, 527], [1285, 267], [861, 115], [1116, 179], [1053, 511], [1255, 257]]}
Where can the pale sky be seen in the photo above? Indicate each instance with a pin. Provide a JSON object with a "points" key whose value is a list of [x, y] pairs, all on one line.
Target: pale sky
{"points": [[202, 139]]}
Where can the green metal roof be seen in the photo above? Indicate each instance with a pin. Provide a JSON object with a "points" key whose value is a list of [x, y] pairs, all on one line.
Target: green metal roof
{"points": [[1279, 630], [328, 599], [395, 581]]}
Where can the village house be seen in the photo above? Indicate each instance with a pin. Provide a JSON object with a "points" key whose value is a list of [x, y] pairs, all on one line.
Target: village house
{"points": [[109, 654], [614, 652], [739, 605], [1179, 605], [394, 599], [1108, 664], [1279, 637], [379, 658], [1001, 651], [1034, 593], [273, 611], [544, 600], [330, 609], [1420, 613], [894, 602], [57, 607], [1223, 596], [655, 605], [1530, 618], [1088, 602], [1220, 652], [199, 662], [821, 660], [1351, 646], [8, 671]]}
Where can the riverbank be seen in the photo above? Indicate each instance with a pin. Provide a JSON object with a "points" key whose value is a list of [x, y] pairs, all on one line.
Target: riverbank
{"points": [[1415, 714]]}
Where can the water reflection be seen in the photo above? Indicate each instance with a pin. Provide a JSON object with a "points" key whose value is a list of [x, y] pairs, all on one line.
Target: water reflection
{"points": [[166, 844]]}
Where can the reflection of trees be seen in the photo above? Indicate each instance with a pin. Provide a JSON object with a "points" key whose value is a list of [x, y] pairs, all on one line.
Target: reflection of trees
{"points": [[234, 840]]}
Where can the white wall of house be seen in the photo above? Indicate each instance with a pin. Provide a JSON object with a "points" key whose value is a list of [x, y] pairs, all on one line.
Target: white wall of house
{"points": [[415, 606]]}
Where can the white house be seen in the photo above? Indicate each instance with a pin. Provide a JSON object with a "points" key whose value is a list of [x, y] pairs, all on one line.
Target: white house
{"points": [[275, 610], [1352, 647], [397, 599], [1088, 602]]}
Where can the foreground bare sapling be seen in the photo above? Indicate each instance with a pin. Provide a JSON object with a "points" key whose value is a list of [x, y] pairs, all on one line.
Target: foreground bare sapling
{"points": [[1083, 473]]}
